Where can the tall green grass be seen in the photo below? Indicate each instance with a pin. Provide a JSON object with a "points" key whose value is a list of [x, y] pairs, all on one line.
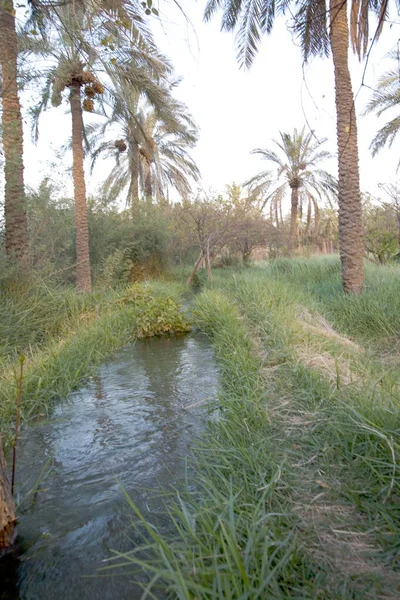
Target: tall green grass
{"points": [[233, 536], [299, 466], [34, 311], [367, 409], [370, 317], [77, 333], [285, 441]]}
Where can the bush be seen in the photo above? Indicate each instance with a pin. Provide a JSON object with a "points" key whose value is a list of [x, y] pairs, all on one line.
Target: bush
{"points": [[155, 315]]}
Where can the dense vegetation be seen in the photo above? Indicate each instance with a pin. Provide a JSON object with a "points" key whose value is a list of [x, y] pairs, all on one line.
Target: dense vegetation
{"points": [[296, 480], [296, 485], [102, 59]]}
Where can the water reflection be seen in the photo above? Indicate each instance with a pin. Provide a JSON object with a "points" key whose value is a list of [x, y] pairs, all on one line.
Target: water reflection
{"points": [[128, 425]]}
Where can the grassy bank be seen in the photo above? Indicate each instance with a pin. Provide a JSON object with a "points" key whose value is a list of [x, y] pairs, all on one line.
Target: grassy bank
{"points": [[297, 485], [63, 336]]}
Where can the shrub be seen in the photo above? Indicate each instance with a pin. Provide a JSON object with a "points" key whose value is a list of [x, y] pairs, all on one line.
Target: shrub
{"points": [[155, 315]]}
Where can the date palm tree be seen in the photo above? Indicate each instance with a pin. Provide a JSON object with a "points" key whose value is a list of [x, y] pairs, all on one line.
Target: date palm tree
{"points": [[14, 209], [152, 149], [322, 26], [386, 98], [125, 16], [297, 163], [70, 68], [66, 71]]}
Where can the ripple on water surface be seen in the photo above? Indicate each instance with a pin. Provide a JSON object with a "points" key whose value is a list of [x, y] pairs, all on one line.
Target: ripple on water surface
{"points": [[131, 423]]}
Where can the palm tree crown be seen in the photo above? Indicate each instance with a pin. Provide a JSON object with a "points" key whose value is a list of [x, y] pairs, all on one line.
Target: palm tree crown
{"points": [[73, 61], [297, 162], [310, 22], [322, 26], [151, 151]]}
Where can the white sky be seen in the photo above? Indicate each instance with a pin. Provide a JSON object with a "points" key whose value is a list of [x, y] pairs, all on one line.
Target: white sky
{"points": [[241, 110]]}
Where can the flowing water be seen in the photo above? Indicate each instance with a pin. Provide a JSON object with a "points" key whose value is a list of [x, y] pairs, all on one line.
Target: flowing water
{"points": [[132, 426]]}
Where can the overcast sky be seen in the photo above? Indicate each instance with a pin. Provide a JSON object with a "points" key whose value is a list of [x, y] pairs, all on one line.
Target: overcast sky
{"points": [[240, 110]]}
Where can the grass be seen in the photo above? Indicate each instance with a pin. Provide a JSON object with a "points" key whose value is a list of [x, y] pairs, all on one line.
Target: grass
{"points": [[230, 541], [296, 488], [297, 483], [64, 336], [370, 317], [32, 312]]}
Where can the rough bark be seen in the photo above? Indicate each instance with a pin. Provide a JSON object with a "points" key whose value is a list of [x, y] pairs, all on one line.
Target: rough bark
{"points": [[148, 190], [350, 211], [83, 275], [316, 221], [134, 173], [195, 269], [209, 270], [7, 508], [294, 226], [14, 206], [308, 225]]}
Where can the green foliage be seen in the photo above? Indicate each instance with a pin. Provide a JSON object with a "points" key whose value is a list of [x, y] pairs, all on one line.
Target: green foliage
{"points": [[65, 335], [381, 231], [386, 98], [34, 309], [51, 231], [122, 248], [287, 436], [229, 259], [140, 250], [154, 314], [369, 318], [382, 244], [196, 283]]}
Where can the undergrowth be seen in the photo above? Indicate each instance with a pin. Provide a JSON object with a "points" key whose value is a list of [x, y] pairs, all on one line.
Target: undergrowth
{"points": [[234, 537], [297, 487], [79, 331], [369, 317]]}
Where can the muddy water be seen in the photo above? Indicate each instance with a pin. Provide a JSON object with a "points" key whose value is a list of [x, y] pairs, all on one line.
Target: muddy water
{"points": [[131, 426]]}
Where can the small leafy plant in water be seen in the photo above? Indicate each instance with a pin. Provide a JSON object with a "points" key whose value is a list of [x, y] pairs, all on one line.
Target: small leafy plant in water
{"points": [[155, 315]]}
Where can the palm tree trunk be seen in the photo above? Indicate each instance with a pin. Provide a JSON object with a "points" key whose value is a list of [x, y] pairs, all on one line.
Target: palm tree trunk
{"points": [[350, 212], [148, 191], [83, 276], [134, 172], [276, 216], [14, 208], [308, 224], [293, 219], [316, 222], [7, 507]]}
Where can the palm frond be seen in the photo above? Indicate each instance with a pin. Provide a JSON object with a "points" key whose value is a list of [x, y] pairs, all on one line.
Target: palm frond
{"points": [[386, 97], [300, 153], [310, 26], [385, 136]]}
